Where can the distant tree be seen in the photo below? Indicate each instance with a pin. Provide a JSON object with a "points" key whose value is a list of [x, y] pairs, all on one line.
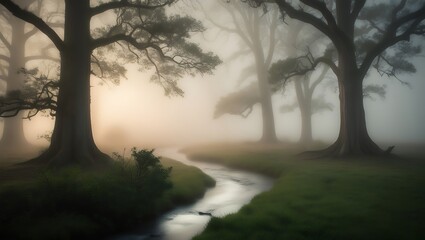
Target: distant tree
{"points": [[363, 35], [298, 37], [258, 33], [142, 32], [240, 102], [15, 37], [306, 102]]}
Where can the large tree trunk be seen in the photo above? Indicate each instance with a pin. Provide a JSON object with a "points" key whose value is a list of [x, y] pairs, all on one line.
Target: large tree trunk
{"points": [[13, 140], [353, 138], [72, 140]]}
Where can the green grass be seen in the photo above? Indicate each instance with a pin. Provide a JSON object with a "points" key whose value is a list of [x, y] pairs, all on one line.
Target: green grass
{"points": [[354, 198], [75, 203], [189, 183]]}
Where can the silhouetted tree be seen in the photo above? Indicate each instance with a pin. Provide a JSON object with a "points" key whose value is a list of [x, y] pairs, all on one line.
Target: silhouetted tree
{"points": [[364, 35], [142, 32], [258, 32]]}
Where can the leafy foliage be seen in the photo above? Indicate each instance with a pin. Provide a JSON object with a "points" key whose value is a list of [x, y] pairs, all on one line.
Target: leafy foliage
{"points": [[160, 42], [83, 203], [39, 95], [239, 102]]}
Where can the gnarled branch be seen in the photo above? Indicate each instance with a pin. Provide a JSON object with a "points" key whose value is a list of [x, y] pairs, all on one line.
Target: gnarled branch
{"points": [[127, 4], [35, 20]]}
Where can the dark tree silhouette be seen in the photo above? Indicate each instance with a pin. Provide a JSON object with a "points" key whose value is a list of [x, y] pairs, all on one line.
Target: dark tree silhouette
{"points": [[142, 32], [363, 36]]}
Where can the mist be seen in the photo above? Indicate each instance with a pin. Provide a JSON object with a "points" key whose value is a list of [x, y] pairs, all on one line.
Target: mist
{"points": [[136, 112], [193, 119]]}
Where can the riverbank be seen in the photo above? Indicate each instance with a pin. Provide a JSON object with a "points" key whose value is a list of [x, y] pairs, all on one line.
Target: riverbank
{"points": [[233, 190], [79, 204], [321, 199]]}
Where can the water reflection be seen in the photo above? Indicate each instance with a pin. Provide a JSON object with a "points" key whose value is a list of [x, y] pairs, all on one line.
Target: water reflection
{"points": [[233, 190]]}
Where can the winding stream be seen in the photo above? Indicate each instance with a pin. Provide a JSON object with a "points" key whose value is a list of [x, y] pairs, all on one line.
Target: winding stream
{"points": [[233, 189]]}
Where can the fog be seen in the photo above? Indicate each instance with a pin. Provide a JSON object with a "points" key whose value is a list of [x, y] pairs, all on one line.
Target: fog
{"points": [[136, 112]]}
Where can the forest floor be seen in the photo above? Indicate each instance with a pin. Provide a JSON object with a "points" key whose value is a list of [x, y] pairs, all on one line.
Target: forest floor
{"points": [[80, 204], [356, 198]]}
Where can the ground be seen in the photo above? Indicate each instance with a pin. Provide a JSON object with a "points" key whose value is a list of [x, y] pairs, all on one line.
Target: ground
{"points": [[357, 198], [78, 203]]}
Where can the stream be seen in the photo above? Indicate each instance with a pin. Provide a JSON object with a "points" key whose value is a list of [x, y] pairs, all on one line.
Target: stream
{"points": [[233, 189]]}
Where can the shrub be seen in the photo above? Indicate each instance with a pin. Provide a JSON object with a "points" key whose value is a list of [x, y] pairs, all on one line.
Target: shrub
{"points": [[103, 201]]}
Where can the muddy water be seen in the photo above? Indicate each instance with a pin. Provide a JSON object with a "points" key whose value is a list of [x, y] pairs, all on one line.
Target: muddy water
{"points": [[233, 189]]}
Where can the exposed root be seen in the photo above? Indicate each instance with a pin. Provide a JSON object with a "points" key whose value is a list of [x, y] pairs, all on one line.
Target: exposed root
{"points": [[337, 150]]}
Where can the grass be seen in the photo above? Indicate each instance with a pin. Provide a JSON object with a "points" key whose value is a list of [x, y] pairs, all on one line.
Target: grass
{"points": [[354, 198], [75, 203]]}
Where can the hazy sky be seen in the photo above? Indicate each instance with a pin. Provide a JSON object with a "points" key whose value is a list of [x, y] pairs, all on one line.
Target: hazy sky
{"points": [[137, 113]]}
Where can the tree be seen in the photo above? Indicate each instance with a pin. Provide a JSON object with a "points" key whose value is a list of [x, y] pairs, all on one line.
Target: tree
{"points": [[14, 57], [363, 36], [296, 39], [242, 101], [142, 33], [238, 103], [257, 32]]}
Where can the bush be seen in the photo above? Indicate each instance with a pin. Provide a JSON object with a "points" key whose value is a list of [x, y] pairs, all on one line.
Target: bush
{"points": [[147, 175], [104, 201]]}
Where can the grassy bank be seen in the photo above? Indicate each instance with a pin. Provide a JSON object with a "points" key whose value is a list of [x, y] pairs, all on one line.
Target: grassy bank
{"points": [[322, 199], [80, 204]]}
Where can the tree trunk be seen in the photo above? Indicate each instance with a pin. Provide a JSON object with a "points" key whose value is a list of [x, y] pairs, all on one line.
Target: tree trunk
{"points": [[13, 139], [353, 139], [304, 104], [72, 140], [269, 131]]}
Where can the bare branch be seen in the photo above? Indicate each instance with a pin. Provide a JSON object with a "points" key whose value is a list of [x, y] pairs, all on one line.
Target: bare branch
{"points": [[239, 29], [391, 38], [397, 9], [303, 16], [282, 71], [127, 4], [4, 57], [36, 21], [358, 6], [321, 7], [10, 106], [272, 39], [31, 33], [319, 79], [5, 42], [104, 41]]}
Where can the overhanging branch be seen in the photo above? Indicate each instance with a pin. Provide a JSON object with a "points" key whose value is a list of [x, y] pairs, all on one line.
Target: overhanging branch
{"points": [[126, 4], [5, 42], [10, 106], [391, 38], [35, 20]]}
